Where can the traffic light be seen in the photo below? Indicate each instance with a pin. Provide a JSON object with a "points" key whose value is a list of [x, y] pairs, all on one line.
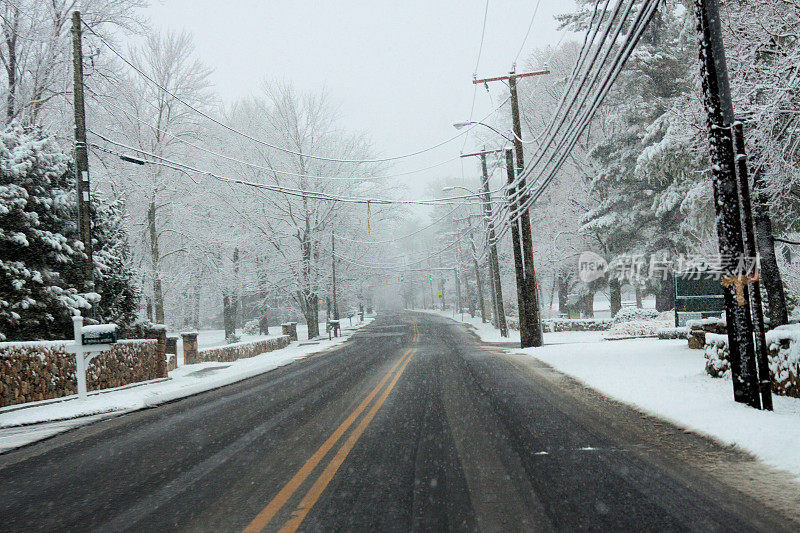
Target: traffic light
{"points": [[402, 277], [430, 278]]}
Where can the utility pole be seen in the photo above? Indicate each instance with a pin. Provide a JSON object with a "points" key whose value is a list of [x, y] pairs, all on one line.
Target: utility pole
{"points": [[81, 154], [531, 334], [756, 307], [478, 282], [719, 107], [519, 269], [333, 276], [494, 262]]}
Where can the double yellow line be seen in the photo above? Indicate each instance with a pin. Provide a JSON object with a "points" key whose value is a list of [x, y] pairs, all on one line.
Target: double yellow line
{"points": [[304, 507]]}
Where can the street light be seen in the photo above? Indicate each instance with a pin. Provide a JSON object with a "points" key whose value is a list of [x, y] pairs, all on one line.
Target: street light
{"points": [[460, 125]]}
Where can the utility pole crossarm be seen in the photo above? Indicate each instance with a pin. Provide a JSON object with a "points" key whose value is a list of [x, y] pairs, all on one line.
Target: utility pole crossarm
{"points": [[484, 152], [512, 76]]}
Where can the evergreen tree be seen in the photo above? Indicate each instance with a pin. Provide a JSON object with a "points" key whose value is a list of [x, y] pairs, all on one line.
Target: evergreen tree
{"points": [[36, 199], [113, 275], [40, 253]]}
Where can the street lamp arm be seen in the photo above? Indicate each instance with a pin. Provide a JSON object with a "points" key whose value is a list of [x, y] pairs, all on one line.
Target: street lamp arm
{"points": [[459, 125]]}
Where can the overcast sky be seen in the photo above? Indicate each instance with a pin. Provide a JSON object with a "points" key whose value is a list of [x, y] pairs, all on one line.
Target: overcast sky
{"points": [[400, 71]]}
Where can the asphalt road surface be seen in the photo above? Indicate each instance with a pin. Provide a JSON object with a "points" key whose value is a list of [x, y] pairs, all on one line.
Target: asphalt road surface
{"points": [[412, 425]]}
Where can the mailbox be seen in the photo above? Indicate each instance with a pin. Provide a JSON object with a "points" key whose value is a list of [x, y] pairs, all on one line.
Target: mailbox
{"points": [[99, 334]]}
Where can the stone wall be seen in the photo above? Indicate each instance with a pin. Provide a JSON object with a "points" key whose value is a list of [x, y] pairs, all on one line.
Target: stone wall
{"points": [[238, 350], [32, 371], [784, 359]]}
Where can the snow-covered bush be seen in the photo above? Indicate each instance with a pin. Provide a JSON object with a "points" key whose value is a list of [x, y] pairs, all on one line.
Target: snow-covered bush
{"points": [[634, 314], [635, 328], [576, 324], [672, 333], [784, 360], [783, 344], [717, 356], [251, 327]]}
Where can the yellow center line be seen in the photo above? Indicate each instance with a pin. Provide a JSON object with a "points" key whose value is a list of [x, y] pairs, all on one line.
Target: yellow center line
{"points": [[264, 517], [325, 478]]}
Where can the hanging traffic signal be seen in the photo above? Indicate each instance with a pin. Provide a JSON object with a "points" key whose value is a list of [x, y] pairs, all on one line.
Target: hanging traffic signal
{"points": [[402, 277]]}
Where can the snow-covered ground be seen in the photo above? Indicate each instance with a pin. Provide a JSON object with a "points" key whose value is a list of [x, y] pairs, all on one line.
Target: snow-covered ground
{"points": [[488, 333], [667, 379], [183, 381], [212, 338]]}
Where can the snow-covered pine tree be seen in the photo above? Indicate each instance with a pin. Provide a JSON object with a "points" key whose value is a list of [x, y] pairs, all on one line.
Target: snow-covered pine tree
{"points": [[36, 256], [638, 211], [40, 252], [113, 274]]}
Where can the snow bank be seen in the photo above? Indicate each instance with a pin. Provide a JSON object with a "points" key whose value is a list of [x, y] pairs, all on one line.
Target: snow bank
{"points": [[668, 379], [184, 381]]}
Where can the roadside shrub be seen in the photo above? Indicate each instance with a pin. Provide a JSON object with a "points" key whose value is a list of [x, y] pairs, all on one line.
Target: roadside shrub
{"points": [[251, 327], [631, 314]]}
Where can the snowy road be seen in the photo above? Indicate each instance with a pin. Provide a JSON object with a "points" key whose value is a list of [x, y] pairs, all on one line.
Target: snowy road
{"points": [[411, 425]]}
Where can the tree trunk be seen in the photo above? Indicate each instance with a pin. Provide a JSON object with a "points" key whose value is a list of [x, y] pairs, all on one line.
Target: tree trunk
{"points": [[479, 286], [588, 304], [665, 295], [155, 258], [235, 292], [196, 313], [638, 291], [770, 273], [227, 316], [11, 66], [615, 295], [563, 292]]}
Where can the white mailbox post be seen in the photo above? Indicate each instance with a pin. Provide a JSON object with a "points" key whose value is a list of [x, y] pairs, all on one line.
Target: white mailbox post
{"points": [[89, 341]]}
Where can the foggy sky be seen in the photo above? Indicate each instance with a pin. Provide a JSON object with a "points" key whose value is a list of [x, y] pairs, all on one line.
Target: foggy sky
{"points": [[400, 71]]}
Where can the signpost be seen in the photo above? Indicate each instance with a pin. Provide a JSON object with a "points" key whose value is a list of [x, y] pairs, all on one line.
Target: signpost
{"points": [[696, 297], [89, 341]]}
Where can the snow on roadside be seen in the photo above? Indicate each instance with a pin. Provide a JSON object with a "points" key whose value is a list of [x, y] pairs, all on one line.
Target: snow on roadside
{"points": [[184, 381], [488, 333], [667, 379]]}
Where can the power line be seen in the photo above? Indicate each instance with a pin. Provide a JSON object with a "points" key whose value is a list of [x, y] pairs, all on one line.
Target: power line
{"points": [[582, 118], [261, 141], [483, 34], [260, 167], [277, 188], [533, 17], [402, 237]]}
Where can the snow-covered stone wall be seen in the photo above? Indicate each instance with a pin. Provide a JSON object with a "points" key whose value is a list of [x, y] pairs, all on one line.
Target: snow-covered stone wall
{"points": [[238, 350], [784, 358], [32, 371]]}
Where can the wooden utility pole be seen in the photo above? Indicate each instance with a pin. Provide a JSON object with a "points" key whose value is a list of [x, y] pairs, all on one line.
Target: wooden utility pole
{"points": [[81, 154], [478, 282], [531, 332], [517, 248], [756, 307], [494, 262], [719, 107], [333, 276]]}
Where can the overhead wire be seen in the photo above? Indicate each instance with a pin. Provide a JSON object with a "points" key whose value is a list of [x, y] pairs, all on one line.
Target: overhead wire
{"points": [[582, 117], [527, 33], [319, 195], [577, 127], [260, 167], [261, 141]]}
